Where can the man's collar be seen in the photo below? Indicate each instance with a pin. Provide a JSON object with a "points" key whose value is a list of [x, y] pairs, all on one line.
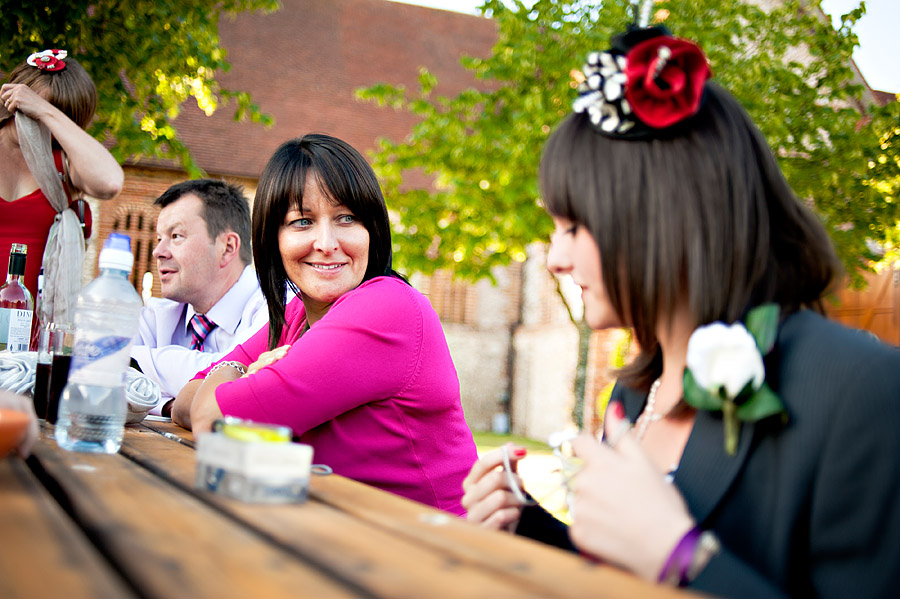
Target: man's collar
{"points": [[227, 312]]}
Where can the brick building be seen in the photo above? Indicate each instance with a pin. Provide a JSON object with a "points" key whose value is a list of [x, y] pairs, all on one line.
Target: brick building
{"points": [[513, 343], [303, 64]]}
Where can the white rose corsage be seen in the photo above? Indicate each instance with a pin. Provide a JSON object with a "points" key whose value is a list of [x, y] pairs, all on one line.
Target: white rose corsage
{"points": [[725, 371]]}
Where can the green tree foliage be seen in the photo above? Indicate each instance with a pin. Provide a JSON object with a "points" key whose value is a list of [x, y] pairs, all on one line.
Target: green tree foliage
{"points": [[146, 57], [788, 66]]}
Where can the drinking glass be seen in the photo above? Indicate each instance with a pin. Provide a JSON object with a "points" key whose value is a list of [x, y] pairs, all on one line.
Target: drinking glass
{"points": [[42, 370], [62, 337]]}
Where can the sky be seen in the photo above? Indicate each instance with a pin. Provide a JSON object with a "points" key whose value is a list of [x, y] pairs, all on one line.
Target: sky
{"points": [[877, 56]]}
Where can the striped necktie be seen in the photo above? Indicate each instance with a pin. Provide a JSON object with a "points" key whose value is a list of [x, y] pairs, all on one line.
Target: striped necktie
{"points": [[200, 328]]}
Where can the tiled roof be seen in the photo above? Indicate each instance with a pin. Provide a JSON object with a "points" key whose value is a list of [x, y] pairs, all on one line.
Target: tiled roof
{"points": [[884, 98], [303, 63]]}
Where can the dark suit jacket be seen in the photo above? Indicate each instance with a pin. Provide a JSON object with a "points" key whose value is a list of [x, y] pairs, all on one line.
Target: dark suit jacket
{"points": [[811, 507]]}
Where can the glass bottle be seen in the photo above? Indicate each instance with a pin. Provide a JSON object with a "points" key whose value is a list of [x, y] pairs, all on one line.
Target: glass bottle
{"points": [[38, 324], [16, 305]]}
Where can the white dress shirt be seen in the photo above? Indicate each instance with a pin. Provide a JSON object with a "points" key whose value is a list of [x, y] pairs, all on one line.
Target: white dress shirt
{"points": [[162, 345]]}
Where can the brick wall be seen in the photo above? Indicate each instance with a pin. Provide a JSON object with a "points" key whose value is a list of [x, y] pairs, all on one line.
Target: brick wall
{"points": [[545, 354], [479, 321]]}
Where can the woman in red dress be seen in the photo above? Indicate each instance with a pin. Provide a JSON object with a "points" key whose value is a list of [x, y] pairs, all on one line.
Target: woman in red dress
{"points": [[54, 90]]}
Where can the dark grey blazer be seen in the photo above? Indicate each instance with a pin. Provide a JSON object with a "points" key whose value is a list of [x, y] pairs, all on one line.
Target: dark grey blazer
{"points": [[811, 507]]}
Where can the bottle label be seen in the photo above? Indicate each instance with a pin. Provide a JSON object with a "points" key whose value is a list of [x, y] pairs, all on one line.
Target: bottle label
{"points": [[100, 359], [15, 328]]}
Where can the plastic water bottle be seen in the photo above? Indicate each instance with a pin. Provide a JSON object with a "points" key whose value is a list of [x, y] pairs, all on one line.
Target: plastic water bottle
{"points": [[93, 407]]}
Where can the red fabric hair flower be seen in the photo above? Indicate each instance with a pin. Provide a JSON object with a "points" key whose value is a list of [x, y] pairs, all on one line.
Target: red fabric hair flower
{"points": [[48, 60], [665, 80]]}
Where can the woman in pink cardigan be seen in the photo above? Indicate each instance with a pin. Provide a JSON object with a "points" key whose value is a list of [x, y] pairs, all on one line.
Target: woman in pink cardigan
{"points": [[356, 363]]}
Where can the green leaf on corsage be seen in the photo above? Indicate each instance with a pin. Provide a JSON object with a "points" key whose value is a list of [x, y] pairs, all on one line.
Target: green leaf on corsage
{"points": [[762, 404], [698, 397], [762, 322]]}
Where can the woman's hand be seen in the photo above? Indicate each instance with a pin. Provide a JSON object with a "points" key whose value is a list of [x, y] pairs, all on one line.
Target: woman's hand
{"points": [[92, 169], [488, 498], [203, 409], [181, 405], [625, 511], [267, 358], [17, 96]]}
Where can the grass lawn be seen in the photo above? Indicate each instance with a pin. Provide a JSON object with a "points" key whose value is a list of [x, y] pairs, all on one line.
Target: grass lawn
{"points": [[486, 441]]}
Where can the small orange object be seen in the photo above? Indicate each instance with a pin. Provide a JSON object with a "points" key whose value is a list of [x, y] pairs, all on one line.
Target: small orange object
{"points": [[13, 425]]}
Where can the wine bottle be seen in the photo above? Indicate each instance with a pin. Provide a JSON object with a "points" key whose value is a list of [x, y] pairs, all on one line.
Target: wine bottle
{"points": [[37, 324], [16, 305]]}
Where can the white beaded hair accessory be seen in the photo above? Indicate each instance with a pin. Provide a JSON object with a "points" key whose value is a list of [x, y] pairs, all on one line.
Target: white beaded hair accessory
{"points": [[48, 60], [647, 82]]}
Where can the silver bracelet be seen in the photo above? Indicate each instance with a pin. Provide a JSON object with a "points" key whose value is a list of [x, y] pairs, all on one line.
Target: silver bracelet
{"points": [[707, 547], [232, 364]]}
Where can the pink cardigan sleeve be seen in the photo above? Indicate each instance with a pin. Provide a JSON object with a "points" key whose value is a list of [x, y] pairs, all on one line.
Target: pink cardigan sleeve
{"points": [[365, 349]]}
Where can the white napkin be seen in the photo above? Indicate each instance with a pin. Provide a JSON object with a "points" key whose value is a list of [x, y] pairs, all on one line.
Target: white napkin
{"points": [[17, 371], [142, 394], [17, 375]]}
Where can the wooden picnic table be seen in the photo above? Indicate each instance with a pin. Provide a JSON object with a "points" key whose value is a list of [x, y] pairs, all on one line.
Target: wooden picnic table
{"points": [[133, 525]]}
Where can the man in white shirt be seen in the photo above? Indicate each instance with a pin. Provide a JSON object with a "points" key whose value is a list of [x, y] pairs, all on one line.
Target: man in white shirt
{"points": [[212, 297]]}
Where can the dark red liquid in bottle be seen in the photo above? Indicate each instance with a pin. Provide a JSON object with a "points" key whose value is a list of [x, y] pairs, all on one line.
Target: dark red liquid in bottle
{"points": [[59, 374], [41, 389]]}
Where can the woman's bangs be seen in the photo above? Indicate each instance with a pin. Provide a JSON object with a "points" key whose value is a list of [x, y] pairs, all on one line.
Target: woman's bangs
{"points": [[557, 177]]}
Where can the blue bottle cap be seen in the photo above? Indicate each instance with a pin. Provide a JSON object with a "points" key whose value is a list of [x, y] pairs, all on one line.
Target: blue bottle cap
{"points": [[118, 241], [116, 253]]}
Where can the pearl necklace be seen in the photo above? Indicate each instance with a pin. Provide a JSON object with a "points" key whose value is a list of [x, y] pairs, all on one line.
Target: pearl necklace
{"points": [[649, 414]]}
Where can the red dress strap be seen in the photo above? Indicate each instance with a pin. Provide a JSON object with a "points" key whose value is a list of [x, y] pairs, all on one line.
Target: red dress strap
{"points": [[61, 170], [78, 204]]}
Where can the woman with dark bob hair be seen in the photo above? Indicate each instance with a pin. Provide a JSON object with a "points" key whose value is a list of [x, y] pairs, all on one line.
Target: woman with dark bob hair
{"points": [[356, 363], [751, 448]]}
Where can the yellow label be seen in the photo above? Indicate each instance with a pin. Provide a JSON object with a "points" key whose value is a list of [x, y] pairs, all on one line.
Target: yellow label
{"points": [[246, 430]]}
